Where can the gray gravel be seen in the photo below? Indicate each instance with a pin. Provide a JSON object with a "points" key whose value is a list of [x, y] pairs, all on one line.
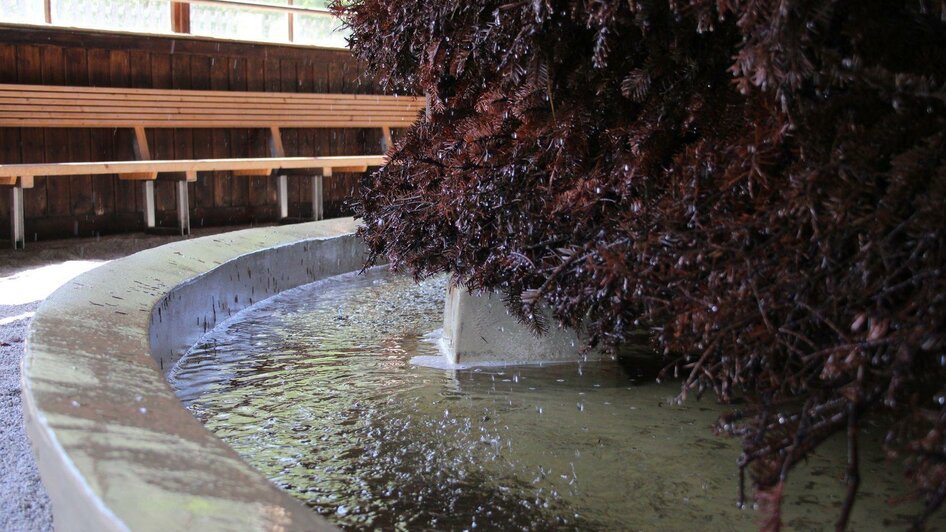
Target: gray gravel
{"points": [[24, 504]]}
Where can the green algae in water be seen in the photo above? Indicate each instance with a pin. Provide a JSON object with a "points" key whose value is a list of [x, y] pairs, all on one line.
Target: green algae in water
{"points": [[314, 388]]}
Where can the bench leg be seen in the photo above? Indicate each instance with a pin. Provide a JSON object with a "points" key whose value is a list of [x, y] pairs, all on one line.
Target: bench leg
{"points": [[318, 206], [148, 197], [282, 193], [183, 209], [17, 220]]}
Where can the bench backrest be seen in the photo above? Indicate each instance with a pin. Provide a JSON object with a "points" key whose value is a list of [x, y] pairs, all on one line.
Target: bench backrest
{"points": [[93, 107]]}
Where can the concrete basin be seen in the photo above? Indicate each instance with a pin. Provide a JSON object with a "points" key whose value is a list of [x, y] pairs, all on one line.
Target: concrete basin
{"points": [[115, 448]]}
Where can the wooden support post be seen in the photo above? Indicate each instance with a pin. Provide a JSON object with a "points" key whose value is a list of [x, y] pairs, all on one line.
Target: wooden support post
{"points": [[275, 143], [143, 153], [48, 11], [292, 30], [386, 143], [17, 220], [258, 172], [318, 205], [183, 208], [180, 17]]}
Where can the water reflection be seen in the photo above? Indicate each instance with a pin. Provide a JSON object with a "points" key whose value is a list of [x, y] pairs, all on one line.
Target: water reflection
{"points": [[315, 390]]}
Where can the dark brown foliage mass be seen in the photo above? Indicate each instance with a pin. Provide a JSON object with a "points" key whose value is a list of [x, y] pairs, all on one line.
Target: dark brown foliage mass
{"points": [[760, 183]]}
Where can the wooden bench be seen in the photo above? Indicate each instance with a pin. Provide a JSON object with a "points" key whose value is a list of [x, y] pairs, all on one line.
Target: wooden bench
{"points": [[140, 109]]}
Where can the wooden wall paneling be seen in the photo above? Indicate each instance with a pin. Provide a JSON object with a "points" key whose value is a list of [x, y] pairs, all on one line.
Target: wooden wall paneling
{"points": [[101, 59], [179, 44], [272, 79], [32, 140], [239, 138], [80, 142], [183, 138], [322, 138], [58, 198], [127, 198], [203, 138], [220, 138], [308, 146], [289, 82], [340, 139], [103, 186], [7, 63], [9, 137], [162, 144], [258, 192], [9, 153], [139, 76]]}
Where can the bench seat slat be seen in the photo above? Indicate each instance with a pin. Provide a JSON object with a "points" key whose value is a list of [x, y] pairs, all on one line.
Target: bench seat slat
{"points": [[188, 165], [99, 93], [245, 122], [14, 104], [15, 111]]}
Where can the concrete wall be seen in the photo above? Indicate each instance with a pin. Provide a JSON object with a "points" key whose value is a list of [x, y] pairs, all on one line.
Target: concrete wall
{"points": [[478, 330], [115, 448]]}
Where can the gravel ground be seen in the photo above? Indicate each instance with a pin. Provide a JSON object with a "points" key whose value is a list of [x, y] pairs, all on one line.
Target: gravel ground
{"points": [[23, 501], [26, 278]]}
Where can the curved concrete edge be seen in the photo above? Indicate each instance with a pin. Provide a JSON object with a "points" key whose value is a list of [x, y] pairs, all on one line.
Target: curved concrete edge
{"points": [[115, 448]]}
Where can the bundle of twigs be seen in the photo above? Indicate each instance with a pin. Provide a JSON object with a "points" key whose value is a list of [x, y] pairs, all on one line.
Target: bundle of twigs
{"points": [[761, 183]]}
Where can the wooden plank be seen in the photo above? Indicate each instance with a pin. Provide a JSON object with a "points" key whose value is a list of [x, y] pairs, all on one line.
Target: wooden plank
{"points": [[220, 138], [113, 121], [32, 144], [276, 147], [22, 182], [199, 165], [138, 176], [139, 75], [183, 138], [386, 135], [119, 69], [9, 137], [272, 73], [304, 80], [75, 111], [262, 172], [87, 38], [80, 147], [180, 17], [7, 63], [289, 82], [239, 188], [256, 81], [339, 81], [142, 148], [32, 141], [273, 95], [162, 140], [103, 187], [126, 198], [203, 138], [56, 140]]}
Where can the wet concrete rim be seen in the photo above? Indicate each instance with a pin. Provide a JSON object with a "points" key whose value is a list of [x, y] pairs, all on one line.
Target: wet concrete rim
{"points": [[115, 448]]}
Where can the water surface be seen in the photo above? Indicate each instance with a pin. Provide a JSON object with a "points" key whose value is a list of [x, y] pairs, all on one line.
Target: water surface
{"points": [[314, 388]]}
